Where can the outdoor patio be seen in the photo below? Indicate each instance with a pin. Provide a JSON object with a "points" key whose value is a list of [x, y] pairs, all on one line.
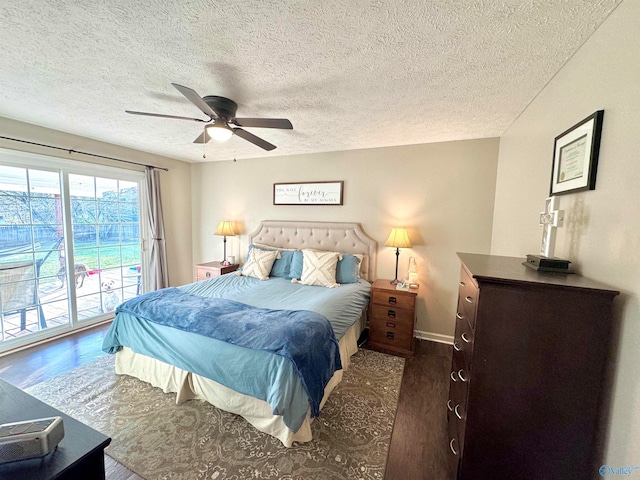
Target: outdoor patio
{"points": [[93, 300]]}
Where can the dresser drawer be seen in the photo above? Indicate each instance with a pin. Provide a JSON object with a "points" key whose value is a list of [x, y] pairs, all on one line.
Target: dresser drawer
{"points": [[393, 299], [468, 297], [203, 273], [463, 340], [392, 314]]}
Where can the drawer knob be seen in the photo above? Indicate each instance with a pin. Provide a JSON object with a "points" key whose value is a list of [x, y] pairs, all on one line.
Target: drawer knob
{"points": [[468, 299], [459, 316], [207, 274], [457, 412], [392, 300], [465, 337], [391, 335], [391, 325], [450, 405], [391, 313], [461, 375], [453, 449], [453, 377], [456, 346], [462, 284]]}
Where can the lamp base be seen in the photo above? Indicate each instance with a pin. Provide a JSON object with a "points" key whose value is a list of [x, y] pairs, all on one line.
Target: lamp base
{"points": [[225, 263], [394, 282]]}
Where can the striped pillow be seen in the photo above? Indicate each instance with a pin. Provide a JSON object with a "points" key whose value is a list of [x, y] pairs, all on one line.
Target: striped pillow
{"points": [[319, 268], [259, 263]]}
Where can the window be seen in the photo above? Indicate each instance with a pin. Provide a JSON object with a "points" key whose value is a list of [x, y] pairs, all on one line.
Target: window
{"points": [[70, 245]]}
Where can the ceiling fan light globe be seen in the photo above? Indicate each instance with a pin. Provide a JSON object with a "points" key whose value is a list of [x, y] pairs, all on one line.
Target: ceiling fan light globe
{"points": [[219, 133]]}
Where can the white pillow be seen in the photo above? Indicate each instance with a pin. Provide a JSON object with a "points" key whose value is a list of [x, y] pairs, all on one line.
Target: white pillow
{"points": [[319, 268], [259, 263]]}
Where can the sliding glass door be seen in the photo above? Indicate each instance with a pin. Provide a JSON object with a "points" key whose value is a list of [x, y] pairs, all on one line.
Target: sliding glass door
{"points": [[70, 246]]}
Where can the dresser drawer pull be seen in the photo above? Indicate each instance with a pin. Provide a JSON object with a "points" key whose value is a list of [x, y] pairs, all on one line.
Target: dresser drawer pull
{"points": [[461, 375], [457, 412], [453, 450], [207, 274], [391, 313], [462, 284], [391, 325], [465, 337], [391, 335], [456, 347], [392, 300], [450, 405], [453, 377], [458, 316], [468, 299]]}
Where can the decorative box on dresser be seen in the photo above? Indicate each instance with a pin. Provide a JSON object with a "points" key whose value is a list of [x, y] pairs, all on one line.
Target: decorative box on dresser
{"points": [[528, 372], [208, 270], [392, 317]]}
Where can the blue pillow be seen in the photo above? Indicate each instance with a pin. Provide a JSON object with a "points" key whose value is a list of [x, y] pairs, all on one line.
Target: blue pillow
{"points": [[348, 269], [295, 270], [281, 266]]}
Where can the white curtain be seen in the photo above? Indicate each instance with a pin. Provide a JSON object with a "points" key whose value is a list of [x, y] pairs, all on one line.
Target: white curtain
{"points": [[158, 271]]}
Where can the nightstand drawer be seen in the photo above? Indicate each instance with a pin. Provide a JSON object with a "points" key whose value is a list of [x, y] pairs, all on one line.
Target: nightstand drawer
{"points": [[392, 314], [386, 333], [204, 271], [393, 299]]}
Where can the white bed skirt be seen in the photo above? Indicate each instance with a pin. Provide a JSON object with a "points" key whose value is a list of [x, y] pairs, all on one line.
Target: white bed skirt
{"points": [[257, 412]]}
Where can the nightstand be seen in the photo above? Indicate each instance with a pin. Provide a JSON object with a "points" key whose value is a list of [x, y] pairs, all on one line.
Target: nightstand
{"points": [[392, 318], [213, 269]]}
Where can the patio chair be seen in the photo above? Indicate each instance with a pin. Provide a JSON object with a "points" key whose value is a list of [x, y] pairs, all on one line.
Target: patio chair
{"points": [[22, 296]]}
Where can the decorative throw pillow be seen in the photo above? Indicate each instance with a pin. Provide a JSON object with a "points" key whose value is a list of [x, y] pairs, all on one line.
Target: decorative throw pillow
{"points": [[282, 264], [259, 263], [348, 269], [319, 268]]}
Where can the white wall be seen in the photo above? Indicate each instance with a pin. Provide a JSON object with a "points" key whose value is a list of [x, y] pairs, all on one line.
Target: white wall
{"points": [[602, 227], [443, 193], [175, 184]]}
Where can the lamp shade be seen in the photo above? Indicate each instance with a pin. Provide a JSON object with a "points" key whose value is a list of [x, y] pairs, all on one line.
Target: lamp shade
{"points": [[398, 238], [225, 229]]}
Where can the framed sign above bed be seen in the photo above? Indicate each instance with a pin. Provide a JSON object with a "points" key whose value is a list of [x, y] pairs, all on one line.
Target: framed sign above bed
{"points": [[308, 193]]}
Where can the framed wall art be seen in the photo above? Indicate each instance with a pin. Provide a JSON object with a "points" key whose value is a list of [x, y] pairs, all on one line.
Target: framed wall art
{"points": [[575, 156], [308, 193]]}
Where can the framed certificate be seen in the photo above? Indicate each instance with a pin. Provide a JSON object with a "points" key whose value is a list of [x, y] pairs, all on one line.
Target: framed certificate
{"points": [[575, 156]]}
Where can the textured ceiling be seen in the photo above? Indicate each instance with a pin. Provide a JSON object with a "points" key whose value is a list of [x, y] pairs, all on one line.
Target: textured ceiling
{"points": [[348, 74]]}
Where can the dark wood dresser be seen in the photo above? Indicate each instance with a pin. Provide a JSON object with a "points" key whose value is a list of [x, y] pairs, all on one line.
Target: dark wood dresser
{"points": [[528, 372]]}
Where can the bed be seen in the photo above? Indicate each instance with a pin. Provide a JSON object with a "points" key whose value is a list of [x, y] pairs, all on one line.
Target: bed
{"points": [[266, 387]]}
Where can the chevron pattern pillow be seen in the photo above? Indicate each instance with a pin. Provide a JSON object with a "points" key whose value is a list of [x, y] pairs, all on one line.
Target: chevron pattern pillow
{"points": [[259, 263], [319, 268]]}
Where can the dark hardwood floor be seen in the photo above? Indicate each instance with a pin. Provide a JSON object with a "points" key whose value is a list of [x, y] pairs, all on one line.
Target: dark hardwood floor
{"points": [[418, 442]]}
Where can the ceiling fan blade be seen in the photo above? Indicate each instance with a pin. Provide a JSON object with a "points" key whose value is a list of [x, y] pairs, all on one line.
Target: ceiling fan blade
{"points": [[263, 122], [203, 137], [250, 137], [194, 98], [162, 115]]}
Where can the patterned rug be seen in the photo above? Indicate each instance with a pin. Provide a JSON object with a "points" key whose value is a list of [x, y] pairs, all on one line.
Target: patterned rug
{"points": [[158, 439]]}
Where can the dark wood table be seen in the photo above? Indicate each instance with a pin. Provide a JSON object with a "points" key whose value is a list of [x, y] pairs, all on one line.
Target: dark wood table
{"points": [[80, 454]]}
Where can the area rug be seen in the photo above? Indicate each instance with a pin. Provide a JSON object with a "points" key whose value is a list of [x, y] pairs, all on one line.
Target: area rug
{"points": [[158, 439]]}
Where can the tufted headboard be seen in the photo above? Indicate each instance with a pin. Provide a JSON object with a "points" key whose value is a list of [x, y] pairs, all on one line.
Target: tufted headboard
{"points": [[331, 236]]}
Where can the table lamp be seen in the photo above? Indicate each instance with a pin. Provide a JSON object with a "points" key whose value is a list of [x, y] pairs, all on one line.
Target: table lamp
{"points": [[398, 238], [226, 230]]}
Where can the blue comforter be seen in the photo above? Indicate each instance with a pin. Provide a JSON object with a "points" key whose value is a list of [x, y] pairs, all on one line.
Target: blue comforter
{"points": [[305, 338]]}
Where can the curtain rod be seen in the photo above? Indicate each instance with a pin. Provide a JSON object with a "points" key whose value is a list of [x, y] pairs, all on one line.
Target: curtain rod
{"points": [[83, 153]]}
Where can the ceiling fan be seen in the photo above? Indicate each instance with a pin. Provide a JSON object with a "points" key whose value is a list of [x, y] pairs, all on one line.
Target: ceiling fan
{"points": [[223, 123]]}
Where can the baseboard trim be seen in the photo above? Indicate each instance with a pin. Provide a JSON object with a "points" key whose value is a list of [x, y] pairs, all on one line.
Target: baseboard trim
{"points": [[433, 337]]}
